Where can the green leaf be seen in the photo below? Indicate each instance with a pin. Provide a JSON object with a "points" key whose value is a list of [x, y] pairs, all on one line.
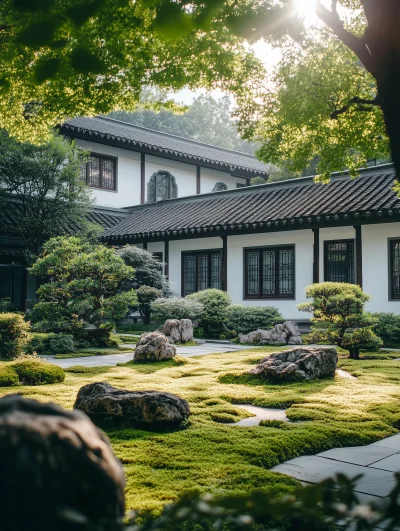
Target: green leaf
{"points": [[39, 34], [46, 69], [79, 13], [33, 5], [171, 21], [83, 60]]}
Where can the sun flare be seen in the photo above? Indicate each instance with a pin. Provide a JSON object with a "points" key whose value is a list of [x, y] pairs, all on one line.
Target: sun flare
{"points": [[306, 10]]}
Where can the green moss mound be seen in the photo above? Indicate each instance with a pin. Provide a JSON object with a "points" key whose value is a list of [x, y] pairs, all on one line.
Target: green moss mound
{"points": [[36, 372], [8, 377]]}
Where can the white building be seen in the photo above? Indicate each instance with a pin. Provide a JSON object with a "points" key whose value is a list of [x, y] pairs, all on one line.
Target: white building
{"points": [[191, 204]]}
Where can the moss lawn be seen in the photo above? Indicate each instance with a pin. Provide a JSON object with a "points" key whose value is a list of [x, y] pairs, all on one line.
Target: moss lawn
{"points": [[210, 455]]}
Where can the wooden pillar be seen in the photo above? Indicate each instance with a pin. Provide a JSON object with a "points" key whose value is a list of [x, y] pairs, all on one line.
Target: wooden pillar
{"points": [[166, 257], [316, 252], [24, 286], [142, 178], [224, 263], [359, 270], [145, 246], [198, 179]]}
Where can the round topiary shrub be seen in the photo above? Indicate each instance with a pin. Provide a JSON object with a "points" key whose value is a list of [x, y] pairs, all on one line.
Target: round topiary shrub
{"points": [[215, 313], [8, 376], [14, 335], [62, 344], [37, 372]]}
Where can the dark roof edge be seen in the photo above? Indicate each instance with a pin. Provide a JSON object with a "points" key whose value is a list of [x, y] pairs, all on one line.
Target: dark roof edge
{"points": [[285, 183], [110, 210]]}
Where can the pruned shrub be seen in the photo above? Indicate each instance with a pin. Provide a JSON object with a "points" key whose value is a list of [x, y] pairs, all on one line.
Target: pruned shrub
{"points": [[176, 308], [339, 316], [215, 309], [245, 319], [146, 295], [14, 335], [387, 327], [8, 377], [38, 372], [62, 344]]}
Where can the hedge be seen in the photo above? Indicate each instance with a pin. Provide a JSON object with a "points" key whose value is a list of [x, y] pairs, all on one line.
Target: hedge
{"points": [[14, 335]]}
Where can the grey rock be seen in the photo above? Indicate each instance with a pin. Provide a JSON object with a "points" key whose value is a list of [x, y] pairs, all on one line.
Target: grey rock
{"points": [[178, 331], [298, 364], [154, 346], [287, 333], [65, 464], [140, 407]]}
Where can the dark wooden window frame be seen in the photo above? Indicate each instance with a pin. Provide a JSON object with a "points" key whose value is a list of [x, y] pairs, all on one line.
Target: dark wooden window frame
{"points": [[344, 240], [276, 296], [391, 241], [101, 156], [209, 252]]}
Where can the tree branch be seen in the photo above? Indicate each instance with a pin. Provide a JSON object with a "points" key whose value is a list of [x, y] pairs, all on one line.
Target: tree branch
{"points": [[356, 45], [355, 101]]}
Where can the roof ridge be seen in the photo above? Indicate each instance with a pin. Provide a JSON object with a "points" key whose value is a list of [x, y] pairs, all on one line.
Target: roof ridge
{"points": [[101, 116]]}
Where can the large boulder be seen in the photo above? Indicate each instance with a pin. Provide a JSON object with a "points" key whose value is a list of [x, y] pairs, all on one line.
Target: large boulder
{"points": [[287, 333], [139, 407], [298, 364], [178, 331], [154, 346], [56, 469]]}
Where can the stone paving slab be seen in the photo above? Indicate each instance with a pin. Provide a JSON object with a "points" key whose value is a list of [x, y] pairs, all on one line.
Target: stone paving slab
{"points": [[359, 455], [391, 463], [389, 442], [313, 469]]}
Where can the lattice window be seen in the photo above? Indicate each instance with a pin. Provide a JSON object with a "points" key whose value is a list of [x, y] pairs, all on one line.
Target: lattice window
{"points": [[340, 261], [270, 273], [100, 172], [162, 185], [201, 270], [394, 265]]}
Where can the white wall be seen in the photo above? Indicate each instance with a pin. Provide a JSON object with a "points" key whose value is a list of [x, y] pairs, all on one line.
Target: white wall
{"points": [[209, 178], [128, 176], [303, 242], [376, 265]]}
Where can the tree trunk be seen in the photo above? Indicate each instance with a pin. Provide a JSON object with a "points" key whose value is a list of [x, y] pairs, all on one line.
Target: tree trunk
{"points": [[354, 353], [389, 99]]}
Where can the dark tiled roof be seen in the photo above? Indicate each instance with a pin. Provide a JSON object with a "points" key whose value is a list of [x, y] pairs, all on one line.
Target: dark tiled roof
{"points": [[275, 206], [131, 136], [10, 251], [106, 217]]}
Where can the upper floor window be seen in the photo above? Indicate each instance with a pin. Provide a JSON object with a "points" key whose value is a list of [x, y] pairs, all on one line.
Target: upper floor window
{"points": [[269, 272], [162, 185], [340, 261], [219, 187], [100, 172], [201, 270], [394, 269]]}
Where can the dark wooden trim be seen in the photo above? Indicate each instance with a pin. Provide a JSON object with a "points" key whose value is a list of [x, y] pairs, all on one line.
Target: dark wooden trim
{"points": [[342, 240], [145, 246], [24, 286], [316, 252], [209, 252], [102, 156], [276, 248], [224, 263], [198, 179], [166, 257], [142, 178], [391, 241], [358, 252]]}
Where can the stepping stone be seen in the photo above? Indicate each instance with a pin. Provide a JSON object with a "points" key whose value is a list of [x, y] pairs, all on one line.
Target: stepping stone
{"points": [[392, 463], [358, 455], [261, 413], [390, 442], [313, 469], [345, 374]]}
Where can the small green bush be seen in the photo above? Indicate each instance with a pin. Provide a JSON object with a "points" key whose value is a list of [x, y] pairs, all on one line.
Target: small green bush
{"points": [[245, 319], [387, 327], [14, 335], [215, 313], [8, 377], [146, 295], [38, 372], [176, 308], [61, 344]]}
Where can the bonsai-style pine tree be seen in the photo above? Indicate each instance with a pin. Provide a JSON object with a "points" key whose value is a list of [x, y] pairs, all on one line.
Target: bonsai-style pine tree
{"points": [[339, 317]]}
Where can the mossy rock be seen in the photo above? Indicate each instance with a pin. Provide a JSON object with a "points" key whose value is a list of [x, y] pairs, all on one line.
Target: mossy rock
{"points": [[8, 377], [36, 372]]}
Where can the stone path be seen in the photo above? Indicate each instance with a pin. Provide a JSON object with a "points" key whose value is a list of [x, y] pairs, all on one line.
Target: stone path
{"points": [[261, 413], [376, 462], [112, 359]]}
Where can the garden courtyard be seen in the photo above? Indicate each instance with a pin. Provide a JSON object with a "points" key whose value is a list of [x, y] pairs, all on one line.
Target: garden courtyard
{"points": [[209, 454]]}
